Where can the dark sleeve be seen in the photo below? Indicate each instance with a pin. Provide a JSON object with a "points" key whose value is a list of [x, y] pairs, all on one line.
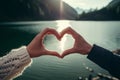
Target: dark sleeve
{"points": [[105, 59]]}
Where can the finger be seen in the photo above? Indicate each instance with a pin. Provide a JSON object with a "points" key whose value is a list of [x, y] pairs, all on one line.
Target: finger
{"points": [[68, 31], [67, 52], [53, 53], [44, 32], [49, 31], [55, 33]]}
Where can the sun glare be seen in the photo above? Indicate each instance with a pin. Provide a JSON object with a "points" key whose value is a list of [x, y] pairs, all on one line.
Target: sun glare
{"points": [[61, 8], [62, 25]]}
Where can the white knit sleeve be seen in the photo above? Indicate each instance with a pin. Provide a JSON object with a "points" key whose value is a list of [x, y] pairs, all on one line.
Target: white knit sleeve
{"points": [[13, 64]]}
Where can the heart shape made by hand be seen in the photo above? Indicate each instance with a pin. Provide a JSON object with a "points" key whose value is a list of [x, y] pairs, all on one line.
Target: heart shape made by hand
{"points": [[59, 36]]}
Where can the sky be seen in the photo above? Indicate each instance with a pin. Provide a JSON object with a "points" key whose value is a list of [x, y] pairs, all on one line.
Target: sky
{"points": [[87, 4]]}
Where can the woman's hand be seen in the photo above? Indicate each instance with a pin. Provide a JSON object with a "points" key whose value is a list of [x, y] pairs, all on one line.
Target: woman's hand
{"points": [[36, 47]]}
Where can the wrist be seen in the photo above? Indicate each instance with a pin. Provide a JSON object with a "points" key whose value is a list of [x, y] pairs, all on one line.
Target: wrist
{"points": [[29, 51], [88, 49]]}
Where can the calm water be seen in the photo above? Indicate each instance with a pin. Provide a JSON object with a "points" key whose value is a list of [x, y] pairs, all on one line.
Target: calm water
{"points": [[105, 34]]}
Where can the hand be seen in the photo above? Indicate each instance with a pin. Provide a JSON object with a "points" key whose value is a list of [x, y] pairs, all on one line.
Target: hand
{"points": [[80, 46], [36, 47]]}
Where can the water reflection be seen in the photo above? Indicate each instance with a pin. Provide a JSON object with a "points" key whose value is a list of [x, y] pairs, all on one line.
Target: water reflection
{"points": [[62, 25]]}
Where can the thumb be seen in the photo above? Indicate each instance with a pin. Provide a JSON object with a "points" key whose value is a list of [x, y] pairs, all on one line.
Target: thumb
{"points": [[67, 52], [53, 53]]}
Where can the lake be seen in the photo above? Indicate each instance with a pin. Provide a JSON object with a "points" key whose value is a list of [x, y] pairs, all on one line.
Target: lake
{"points": [[102, 33]]}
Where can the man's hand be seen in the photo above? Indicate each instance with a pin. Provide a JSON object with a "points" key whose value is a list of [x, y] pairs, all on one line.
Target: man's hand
{"points": [[36, 47], [80, 46]]}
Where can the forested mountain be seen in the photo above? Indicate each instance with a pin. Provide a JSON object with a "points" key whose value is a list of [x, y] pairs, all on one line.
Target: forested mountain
{"points": [[110, 12]]}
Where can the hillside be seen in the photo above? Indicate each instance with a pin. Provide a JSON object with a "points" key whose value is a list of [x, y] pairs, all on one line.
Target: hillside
{"points": [[110, 12], [32, 10]]}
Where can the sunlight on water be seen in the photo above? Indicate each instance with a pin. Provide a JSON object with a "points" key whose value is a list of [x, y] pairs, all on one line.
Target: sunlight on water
{"points": [[62, 25]]}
